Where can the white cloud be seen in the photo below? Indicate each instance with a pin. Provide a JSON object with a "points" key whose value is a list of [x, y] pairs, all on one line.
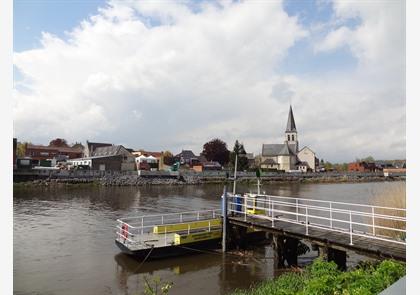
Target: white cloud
{"points": [[334, 40], [157, 75]]}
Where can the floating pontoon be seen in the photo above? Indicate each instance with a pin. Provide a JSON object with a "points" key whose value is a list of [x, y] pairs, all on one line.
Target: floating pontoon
{"points": [[166, 235]]}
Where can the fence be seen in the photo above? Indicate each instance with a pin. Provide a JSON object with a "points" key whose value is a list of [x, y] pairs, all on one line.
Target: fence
{"points": [[373, 222]]}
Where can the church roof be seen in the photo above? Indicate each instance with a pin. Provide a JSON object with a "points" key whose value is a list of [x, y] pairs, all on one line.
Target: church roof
{"points": [[271, 150], [291, 126]]}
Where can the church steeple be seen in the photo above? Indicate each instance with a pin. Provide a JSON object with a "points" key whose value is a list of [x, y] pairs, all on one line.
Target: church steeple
{"points": [[291, 132], [291, 126]]}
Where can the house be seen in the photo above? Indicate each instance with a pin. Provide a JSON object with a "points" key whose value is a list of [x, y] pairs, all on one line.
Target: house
{"points": [[92, 146], [42, 153], [307, 156], [362, 167], [150, 160], [303, 167], [287, 156], [114, 157], [187, 157]]}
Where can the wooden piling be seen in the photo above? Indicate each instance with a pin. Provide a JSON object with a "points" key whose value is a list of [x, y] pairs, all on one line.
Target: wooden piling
{"points": [[291, 251], [278, 247], [338, 256]]}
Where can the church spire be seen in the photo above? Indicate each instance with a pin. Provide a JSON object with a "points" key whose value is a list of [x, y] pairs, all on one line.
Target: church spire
{"points": [[291, 126]]}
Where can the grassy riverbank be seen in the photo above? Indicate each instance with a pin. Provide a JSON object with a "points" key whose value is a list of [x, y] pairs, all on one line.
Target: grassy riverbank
{"points": [[324, 278]]}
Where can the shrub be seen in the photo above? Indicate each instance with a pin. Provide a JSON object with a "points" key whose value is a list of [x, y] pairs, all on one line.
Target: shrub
{"points": [[323, 277]]}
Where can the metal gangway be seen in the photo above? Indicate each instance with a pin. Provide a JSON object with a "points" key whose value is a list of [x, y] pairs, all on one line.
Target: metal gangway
{"points": [[352, 225], [157, 230]]}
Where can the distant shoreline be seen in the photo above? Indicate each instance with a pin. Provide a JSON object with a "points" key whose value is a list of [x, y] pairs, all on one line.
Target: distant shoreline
{"points": [[134, 180]]}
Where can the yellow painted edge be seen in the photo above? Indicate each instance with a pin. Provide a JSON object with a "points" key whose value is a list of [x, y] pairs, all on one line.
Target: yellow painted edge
{"points": [[196, 237], [255, 211], [160, 229]]}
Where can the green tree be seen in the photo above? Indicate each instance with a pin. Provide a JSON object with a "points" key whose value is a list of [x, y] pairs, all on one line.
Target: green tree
{"points": [[368, 159], [238, 149], [168, 158], [328, 165], [216, 150]]}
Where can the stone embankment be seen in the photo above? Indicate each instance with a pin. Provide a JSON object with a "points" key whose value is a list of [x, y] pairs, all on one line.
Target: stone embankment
{"points": [[136, 180]]}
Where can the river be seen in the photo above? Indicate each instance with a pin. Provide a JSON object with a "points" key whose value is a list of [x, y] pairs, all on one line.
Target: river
{"points": [[64, 238]]}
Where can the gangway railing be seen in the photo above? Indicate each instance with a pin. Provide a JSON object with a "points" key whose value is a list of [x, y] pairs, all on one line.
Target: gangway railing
{"points": [[135, 230], [363, 220]]}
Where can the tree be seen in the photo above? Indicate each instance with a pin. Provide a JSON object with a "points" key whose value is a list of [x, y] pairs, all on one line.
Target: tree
{"points": [[168, 158], [58, 142], [328, 166], [368, 159], [238, 149], [21, 148], [167, 154], [216, 150]]}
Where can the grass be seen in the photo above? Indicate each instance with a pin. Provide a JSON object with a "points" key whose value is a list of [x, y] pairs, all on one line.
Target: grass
{"points": [[323, 277], [394, 197]]}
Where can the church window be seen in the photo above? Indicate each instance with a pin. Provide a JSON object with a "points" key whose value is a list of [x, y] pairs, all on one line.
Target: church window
{"points": [[293, 137], [288, 137]]}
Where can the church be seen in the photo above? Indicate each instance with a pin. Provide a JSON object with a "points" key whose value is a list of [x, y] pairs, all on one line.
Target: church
{"points": [[287, 156]]}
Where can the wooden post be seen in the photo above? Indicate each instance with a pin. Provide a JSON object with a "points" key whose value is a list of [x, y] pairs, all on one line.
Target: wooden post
{"points": [[330, 254], [278, 247], [339, 257], [323, 252], [290, 251], [225, 221]]}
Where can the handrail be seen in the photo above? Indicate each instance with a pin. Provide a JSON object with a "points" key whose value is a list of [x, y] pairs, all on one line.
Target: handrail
{"points": [[152, 226], [167, 214], [325, 201], [328, 209], [322, 217], [270, 204]]}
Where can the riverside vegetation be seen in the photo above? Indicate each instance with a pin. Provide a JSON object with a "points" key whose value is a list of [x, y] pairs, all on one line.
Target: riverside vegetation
{"points": [[392, 197], [322, 277]]}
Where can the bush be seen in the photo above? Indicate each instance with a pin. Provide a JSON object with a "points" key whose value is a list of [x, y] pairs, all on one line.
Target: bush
{"points": [[323, 277]]}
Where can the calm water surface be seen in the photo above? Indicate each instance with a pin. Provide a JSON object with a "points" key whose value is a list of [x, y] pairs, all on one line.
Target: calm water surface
{"points": [[64, 239]]}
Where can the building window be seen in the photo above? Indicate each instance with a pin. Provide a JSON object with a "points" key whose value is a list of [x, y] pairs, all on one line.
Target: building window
{"points": [[293, 138], [288, 137]]}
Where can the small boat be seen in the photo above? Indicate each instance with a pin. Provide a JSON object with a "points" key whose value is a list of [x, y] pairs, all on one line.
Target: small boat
{"points": [[168, 235]]}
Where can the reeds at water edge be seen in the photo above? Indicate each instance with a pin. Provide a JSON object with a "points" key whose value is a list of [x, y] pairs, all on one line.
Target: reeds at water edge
{"points": [[393, 196]]}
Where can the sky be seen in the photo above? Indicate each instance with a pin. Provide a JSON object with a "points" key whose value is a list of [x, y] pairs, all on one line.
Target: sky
{"points": [[166, 75]]}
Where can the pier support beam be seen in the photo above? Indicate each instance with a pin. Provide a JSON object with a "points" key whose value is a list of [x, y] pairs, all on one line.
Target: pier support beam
{"points": [[278, 248], [237, 237], [291, 251], [285, 249], [338, 256]]}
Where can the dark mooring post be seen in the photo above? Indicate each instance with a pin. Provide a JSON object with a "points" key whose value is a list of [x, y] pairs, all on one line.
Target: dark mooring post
{"points": [[278, 247], [338, 256], [291, 251], [225, 221]]}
